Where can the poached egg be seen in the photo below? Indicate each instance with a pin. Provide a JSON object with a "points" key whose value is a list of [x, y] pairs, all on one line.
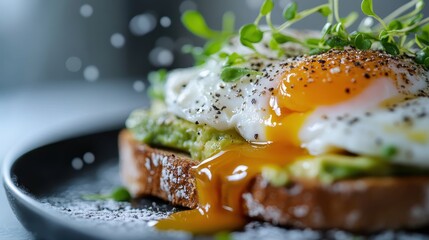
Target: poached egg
{"points": [[349, 100]]}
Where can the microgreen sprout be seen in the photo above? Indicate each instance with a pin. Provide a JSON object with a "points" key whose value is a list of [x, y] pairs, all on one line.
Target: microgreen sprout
{"points": [[389, 151], [195, 23], [157, 80], [232, 74], [252, 33], [404, 31], [290, 11], [223, 236], [119, 194]]}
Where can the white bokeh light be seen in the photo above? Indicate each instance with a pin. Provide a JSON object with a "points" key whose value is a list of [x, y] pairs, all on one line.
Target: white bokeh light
{"points": [[139, 86], [73, 64], [77, 163], [161, 57], [142, 24], [91, 73], [117, 40], [86, 10], [165, 21], [88, 157]]}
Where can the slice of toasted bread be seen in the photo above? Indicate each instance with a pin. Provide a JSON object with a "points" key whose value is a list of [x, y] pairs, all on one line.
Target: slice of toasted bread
{"points": [[155, 172], [364, 205]]}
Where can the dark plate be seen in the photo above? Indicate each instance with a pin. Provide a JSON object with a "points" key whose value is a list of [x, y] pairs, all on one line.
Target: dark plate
{"points": [[45, 183]]}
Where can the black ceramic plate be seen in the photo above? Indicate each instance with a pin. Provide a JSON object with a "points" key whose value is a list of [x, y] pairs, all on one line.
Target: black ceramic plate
{"points": [[45, 183]]}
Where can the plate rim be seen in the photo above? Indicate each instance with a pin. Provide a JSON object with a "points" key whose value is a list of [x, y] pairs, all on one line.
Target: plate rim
{"points": [[15, 193]]}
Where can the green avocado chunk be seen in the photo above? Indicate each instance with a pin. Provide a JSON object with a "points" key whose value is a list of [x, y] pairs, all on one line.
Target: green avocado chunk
{"points": [[166, 130], [329, 168], [333, 167], [159, 128]]}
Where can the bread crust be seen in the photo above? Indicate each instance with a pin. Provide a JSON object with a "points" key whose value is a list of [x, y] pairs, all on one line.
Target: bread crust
{"points": [[360, 205], [155, 172]]}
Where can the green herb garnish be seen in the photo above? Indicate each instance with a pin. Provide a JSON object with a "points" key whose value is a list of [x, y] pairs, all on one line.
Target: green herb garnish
{"points": [[232, 74], [389, 151], [422, 57], [196, 24], [404, 31], [157, 80], [249, 34], [290, 11], [223, 236], [119, 194]]}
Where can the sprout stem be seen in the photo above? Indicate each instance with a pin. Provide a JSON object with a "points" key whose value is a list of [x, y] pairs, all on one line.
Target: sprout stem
{"points": [[336, 11], [395, 14]]}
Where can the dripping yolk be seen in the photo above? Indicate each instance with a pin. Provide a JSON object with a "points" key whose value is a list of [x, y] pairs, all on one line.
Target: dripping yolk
{"points": [[327, 79], [221, 180], [323, 80]]}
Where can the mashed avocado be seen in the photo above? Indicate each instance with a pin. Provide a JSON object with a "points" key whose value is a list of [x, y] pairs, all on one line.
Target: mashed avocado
{"points": [[166, 130], [332, 167], [159, 128]]}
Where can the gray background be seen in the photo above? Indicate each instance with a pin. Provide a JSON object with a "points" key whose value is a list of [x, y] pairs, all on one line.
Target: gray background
{"points": [[39, 93]]}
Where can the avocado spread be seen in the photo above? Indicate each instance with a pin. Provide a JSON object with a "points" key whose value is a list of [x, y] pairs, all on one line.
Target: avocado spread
{"points": [[159, 128], [167, 130], [333, 167]]}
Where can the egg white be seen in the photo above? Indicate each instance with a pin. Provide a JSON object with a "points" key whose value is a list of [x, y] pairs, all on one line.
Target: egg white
{"points": [[199, 95], [362, 125], [368, 130]]}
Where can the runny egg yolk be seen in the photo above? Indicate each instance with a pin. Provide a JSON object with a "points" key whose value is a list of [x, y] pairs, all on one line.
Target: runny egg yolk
{"points": [[327, 79], [221, 180]]}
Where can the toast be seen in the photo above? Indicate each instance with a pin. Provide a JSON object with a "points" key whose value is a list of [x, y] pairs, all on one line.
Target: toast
{"points": [[358, 205]]}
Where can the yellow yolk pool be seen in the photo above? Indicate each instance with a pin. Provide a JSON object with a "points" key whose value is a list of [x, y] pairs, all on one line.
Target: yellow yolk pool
{"points": [[329, 79], [221, 180], [321, 80], [302, 86]]}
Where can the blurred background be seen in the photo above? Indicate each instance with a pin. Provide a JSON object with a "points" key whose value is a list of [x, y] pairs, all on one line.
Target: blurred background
{"points": [[73, 62], [94, 40]]}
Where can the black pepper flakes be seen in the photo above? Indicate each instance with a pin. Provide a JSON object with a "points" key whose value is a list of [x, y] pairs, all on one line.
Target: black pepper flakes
{"points": [[353, 121], [367, 75], [421, 115], [347, 90]]}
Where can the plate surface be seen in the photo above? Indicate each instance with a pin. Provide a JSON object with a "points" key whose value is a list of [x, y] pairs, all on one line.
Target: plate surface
{"points": [[45, 183]]}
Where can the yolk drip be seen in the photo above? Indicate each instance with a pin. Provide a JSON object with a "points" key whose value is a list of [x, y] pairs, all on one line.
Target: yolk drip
{"points": [[321, 80], [221, 181], [285, 129], [326, 79]]}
